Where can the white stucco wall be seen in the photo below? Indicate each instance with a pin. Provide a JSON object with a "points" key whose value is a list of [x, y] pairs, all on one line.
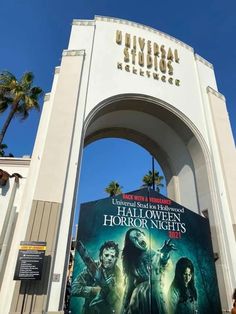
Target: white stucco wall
{"points": [[10, 201], [12, 165], [105, 80]]}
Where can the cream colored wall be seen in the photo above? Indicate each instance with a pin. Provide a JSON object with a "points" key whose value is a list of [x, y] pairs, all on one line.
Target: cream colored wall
{"points": [[221, 196], [54, 162], [223, 160], [68, 178], [8, 285], [227, 153], [12, 165], [10, 204]]}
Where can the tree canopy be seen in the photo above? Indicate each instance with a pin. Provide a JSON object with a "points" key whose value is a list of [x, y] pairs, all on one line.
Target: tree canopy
{"points": [[3, 147], [19, 96], [113, 188], [153, 179]]}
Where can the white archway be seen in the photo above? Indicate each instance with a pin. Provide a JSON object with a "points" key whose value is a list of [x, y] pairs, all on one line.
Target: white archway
{"points": [[166, 133], [97, 93]]}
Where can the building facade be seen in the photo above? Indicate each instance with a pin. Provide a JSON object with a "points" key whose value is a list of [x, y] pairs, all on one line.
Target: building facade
{"points": [[122, 79]]}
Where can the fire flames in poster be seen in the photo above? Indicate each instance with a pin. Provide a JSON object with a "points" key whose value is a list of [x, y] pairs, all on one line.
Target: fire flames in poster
{"points": [[143, 253]]}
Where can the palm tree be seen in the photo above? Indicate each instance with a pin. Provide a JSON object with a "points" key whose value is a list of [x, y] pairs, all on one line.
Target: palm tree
{"points": [[153, 177], [17, 95], [113, 188], [2, 150]]}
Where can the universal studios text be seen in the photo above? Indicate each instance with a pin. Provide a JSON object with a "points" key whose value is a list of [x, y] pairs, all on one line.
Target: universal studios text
{"points": [[146, 214], [148, 59]]}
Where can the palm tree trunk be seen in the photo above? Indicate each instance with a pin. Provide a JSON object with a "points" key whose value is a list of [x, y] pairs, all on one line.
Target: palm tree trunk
{"points": [[7, 122]]}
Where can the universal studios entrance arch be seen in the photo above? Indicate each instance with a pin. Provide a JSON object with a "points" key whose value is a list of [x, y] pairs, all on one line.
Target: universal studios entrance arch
{"points": [[122, 79]]}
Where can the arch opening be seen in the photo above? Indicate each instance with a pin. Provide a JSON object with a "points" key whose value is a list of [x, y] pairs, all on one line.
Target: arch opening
{"points": [[166, 134]]}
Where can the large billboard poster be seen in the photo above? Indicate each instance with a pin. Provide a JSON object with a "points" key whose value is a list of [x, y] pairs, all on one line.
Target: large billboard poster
{"points": [[141, 252]]}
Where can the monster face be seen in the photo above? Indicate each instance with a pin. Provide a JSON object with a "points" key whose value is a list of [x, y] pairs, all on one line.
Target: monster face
{"points": [[139, 239], [108, 258]]}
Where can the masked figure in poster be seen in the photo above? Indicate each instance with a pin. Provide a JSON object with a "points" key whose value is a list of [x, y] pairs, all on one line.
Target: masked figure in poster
{"points": [[100, 282], [182, 294], [144, 270]]}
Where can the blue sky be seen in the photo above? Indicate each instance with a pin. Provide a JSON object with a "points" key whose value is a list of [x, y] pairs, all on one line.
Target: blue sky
{"points": [[34, 33]]}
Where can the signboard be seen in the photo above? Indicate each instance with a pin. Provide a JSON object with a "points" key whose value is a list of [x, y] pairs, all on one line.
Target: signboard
{"points": [[143, 253], [30, 260]]}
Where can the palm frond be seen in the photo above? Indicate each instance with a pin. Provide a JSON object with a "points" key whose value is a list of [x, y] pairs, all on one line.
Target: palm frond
{"points": [[113, 188], [35, 91], [151, 179], [20, 96], [26, 81], [3, 104], [3, 146], [6, 77]]}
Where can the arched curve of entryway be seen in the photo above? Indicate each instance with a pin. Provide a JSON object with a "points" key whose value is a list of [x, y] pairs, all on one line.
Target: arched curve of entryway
{"points": [[166, 133]]}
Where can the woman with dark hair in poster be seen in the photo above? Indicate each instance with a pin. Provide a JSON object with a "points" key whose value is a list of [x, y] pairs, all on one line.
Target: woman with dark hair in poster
{"points": [[182, 294], [143, 269]]}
